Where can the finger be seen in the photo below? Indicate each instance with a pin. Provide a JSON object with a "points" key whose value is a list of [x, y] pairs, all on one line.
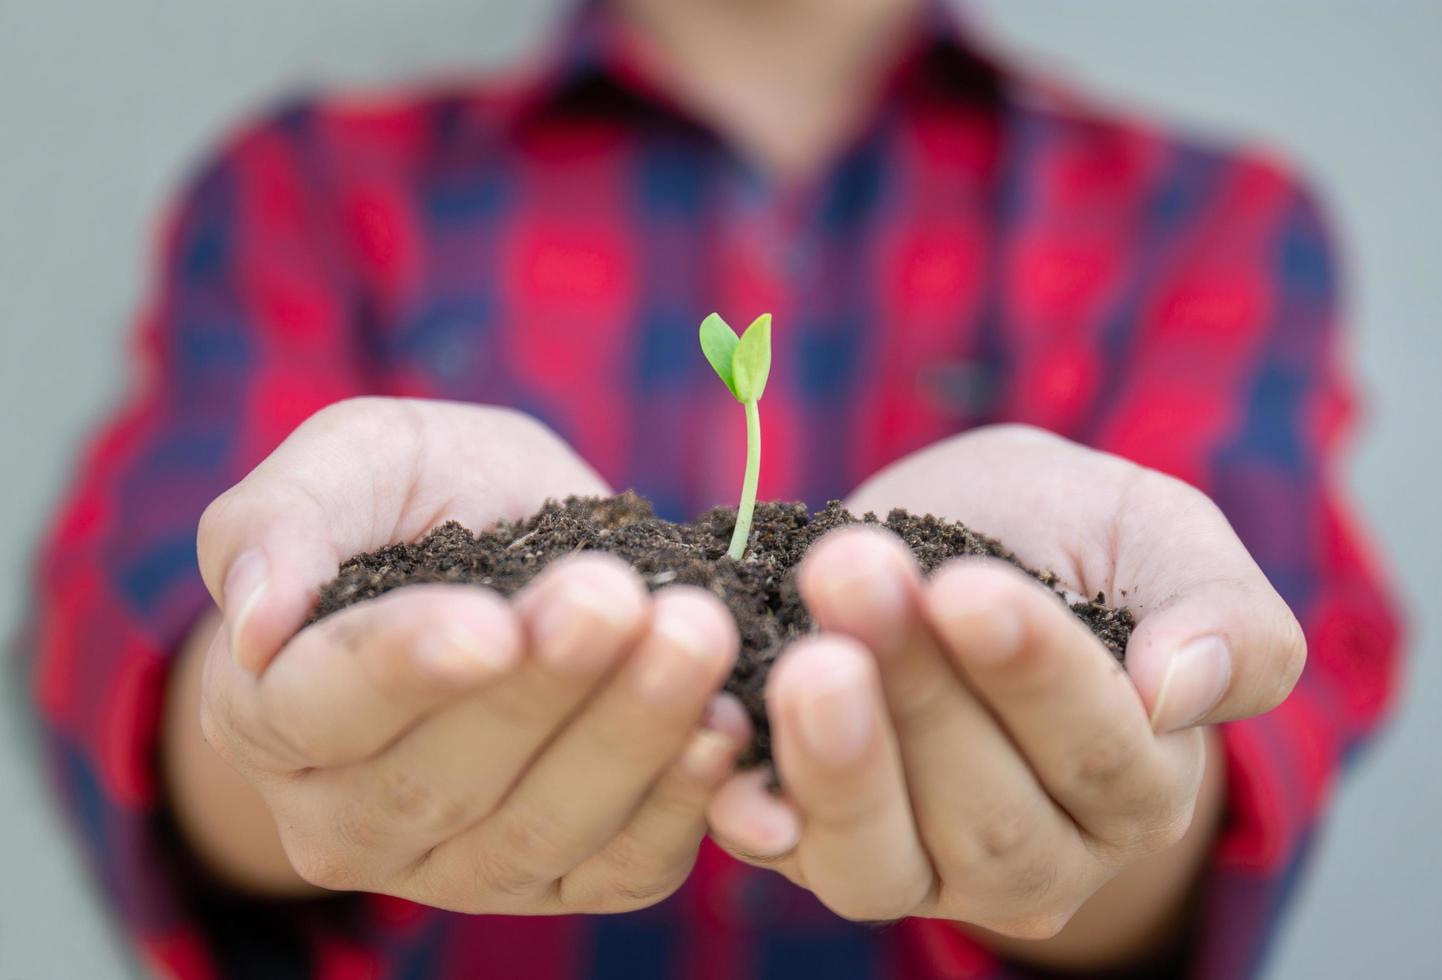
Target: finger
{"points": [[837, 755], [1219, 650], [266, 544], [864, 583], [353, 477], [588, 783], [351, 684], [755, 824], [652, 854], [983, 815], [267, 587], [1074, 715], [580, 617], [1214, 641]]}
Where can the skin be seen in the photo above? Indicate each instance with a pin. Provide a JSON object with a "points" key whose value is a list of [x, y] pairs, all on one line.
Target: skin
{"points": [[550, 754], [962, 748], [957, 748], [786, 82]]}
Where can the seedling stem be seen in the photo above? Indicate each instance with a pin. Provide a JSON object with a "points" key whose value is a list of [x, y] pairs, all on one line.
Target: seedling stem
{"points": [[743, 363], [744, 513]]}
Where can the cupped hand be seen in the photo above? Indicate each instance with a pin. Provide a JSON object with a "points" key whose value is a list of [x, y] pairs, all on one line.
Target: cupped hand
{"points": [[961, 747], [553, 753]]}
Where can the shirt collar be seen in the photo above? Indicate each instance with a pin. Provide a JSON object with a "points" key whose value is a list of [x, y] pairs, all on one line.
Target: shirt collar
{"points": [[596, 63]]}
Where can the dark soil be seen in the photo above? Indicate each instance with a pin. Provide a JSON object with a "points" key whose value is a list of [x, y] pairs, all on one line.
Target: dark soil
{"points": [[760, 590]]}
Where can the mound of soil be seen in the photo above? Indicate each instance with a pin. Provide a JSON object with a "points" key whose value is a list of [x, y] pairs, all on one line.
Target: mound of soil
{"points": [[760, 590]]}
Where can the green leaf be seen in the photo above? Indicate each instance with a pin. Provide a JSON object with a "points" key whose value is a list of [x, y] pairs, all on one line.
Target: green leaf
{"points": [[751, 362], [718, 343]]}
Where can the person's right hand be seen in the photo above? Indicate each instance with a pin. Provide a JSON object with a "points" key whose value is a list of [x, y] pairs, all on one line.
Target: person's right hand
{"points": [[553, 753]]}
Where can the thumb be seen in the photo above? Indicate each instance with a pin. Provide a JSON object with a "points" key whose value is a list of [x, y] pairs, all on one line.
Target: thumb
{"points": [[361, 474], [263, 553], [335, 486], [1221, 650]]}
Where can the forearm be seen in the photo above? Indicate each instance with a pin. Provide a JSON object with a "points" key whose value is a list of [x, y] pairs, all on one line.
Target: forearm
{"points": [[224, 820], [1139, 912]]}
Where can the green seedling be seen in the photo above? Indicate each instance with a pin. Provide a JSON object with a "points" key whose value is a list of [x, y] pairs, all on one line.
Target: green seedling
{"points": [[743, 363]]}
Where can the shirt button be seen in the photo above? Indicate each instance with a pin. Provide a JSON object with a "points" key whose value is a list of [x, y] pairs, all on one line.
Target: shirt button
{"points": [[958, 388]]}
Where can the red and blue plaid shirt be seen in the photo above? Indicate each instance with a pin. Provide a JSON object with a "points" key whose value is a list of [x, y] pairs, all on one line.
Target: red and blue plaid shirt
{"points": [[982, 251]]}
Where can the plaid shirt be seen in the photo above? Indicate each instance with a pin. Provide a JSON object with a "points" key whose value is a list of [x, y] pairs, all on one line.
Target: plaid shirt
{"points": [[982, 251]]}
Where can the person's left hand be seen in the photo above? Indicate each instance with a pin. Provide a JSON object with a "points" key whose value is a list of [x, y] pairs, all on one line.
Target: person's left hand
{"points": [[962, 747]]}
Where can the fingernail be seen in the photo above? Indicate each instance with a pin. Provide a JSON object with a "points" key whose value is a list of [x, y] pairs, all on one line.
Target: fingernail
{"points": [[577, 626], [726, 714], [244, 588], [835, 716], [983, 631], [459, 654], [869, 593], [708, 757], [1195, 681], [774, 829], [671, 659]]}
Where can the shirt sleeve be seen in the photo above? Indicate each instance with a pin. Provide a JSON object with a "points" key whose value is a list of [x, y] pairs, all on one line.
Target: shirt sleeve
{"points": [[1228, 370], [1238, 383], [247, 331]]}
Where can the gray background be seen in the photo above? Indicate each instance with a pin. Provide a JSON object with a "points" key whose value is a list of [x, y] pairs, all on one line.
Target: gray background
{"points": [[102, 103]]}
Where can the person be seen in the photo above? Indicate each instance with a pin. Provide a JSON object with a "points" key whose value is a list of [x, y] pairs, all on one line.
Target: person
{"points": [[1114, 348]]}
